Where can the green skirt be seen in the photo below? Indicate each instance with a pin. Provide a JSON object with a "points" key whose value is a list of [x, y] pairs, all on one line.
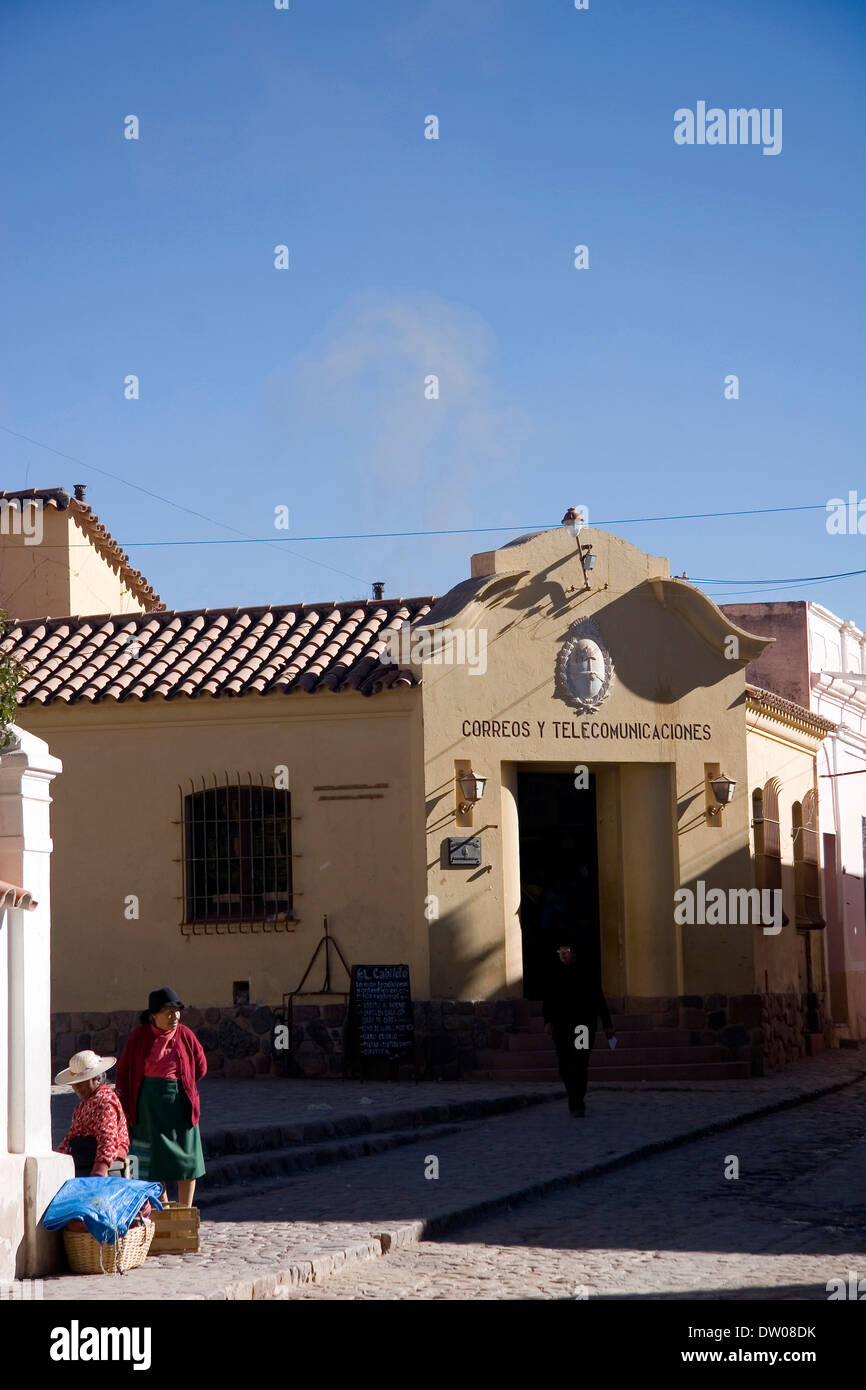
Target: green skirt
{"points": [[166, 1145]]}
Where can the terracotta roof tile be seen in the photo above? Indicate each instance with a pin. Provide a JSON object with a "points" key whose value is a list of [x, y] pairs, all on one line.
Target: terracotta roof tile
{"points": [[226, 652]]}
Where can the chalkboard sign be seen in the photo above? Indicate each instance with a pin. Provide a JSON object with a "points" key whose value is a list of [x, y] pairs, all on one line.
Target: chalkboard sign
{"points": [[380, 1012]]}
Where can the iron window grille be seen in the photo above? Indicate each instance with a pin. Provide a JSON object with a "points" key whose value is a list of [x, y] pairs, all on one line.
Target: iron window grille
{"points": [[237, 857], [768, 836], [807, 873]]}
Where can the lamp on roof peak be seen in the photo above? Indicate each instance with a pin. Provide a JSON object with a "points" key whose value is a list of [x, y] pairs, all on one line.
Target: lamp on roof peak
{"points": [[574, 521]]}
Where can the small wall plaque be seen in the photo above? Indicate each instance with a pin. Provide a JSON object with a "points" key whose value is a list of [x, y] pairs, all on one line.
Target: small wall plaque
{"points": [[465, 853]]}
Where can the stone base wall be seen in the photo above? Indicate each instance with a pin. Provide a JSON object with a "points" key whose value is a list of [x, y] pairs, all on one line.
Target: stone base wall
{"points": [[768, 1030], [237, 1040]]}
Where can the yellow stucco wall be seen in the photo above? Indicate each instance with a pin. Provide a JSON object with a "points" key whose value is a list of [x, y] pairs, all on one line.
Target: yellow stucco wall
{"points": [[95, 586], [377, 866], [667, 643], [780, 961], [34, 579], [113, 831], [62, 575]]}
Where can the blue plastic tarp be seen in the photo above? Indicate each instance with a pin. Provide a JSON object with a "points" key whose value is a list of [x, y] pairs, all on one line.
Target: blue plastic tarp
{"points": [[107, 1206]]}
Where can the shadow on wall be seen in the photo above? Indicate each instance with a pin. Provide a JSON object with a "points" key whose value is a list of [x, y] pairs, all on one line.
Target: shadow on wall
{"points": [[636, 624], [632, 624], [455, 955]]}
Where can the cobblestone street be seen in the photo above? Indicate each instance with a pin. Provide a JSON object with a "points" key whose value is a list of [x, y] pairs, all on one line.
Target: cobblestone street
{"points": [[638, 1204], [670, 1227]]}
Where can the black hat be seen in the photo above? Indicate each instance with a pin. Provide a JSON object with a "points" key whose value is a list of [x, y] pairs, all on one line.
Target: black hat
{"points": [[158, 999]]}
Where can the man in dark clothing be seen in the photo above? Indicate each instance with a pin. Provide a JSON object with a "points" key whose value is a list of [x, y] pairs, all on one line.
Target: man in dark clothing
{"points": [[573, 1002]]}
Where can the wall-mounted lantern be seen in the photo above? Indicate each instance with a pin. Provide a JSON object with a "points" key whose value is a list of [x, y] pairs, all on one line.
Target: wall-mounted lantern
{"points": [[723, 791], [471, 788]]}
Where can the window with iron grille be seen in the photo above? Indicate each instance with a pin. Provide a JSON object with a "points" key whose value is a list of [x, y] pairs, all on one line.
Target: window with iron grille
{"points": [[238, 855], [768, 836], [807, 874]]}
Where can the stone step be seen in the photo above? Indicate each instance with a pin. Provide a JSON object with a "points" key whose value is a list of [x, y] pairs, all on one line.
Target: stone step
{"points": [[524, 1042], [623, 1023], [231, 1141], [657, 1037], [231, 1171], [511, 1061], [604, 1056], [523, 1076], [677, 1071], [653, 1057]]}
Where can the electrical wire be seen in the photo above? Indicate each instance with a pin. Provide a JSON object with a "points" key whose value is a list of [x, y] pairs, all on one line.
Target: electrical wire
{"points": [[169, 502], [242, 538]]}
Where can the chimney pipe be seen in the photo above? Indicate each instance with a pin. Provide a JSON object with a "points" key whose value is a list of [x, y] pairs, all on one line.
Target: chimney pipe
{"points": [[379, 588], [79, 490]]}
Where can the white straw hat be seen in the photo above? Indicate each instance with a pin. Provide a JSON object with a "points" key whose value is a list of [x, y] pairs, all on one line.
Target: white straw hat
{"points": [[83, 1067]]}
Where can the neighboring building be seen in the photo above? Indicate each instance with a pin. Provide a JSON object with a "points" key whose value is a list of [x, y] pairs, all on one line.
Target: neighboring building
{"points": [[57, 557], [234, 776], [819, 661], [782, 741]]}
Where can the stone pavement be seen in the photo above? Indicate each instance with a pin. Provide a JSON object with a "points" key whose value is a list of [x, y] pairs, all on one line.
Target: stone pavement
{"points": [[312, 1225], [673, 1227], [252, 1131], [319, 1109]]}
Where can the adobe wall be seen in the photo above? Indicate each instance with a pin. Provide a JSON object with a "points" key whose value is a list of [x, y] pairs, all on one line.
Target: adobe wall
{"points": [[117, 827]]}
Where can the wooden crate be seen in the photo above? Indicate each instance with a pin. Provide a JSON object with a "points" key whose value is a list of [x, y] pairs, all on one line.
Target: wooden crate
{"points": [[176, 1230]]}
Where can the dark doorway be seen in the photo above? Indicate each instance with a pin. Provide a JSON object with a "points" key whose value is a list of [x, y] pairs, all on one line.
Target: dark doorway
{"points": [[558, 868]]}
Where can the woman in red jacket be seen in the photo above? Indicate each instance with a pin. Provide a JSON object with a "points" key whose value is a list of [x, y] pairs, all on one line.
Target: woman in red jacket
{"points": [[156, 1082]]}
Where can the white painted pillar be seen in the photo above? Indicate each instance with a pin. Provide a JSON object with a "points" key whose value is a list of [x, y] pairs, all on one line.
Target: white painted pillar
{"points": [[4, 1032], [26, 772]]}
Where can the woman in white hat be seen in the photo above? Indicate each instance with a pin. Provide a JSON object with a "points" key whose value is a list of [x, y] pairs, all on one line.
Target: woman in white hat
{"points": [[98, 1133]]}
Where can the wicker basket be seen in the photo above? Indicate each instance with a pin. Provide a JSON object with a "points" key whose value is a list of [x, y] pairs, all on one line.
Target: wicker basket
{"points": [[87, 1256]]}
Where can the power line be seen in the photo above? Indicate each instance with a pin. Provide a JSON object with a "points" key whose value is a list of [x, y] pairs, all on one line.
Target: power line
{"points": [[388, 535], [242, 538], [768, 584], [168, 502], [700, 516], [799, 579]]}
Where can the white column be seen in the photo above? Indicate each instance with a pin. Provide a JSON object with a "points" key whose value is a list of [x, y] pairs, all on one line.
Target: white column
{"points": [[26, 772], [4, 1031], [25, 857]]}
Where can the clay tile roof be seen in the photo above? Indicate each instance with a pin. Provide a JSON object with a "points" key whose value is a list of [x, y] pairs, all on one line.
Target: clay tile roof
{"points": [[99, 537], [217, 652], [772, 703]]}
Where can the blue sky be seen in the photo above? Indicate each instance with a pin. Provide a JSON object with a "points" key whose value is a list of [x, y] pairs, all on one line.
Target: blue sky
{"points": [[409, 256]]}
